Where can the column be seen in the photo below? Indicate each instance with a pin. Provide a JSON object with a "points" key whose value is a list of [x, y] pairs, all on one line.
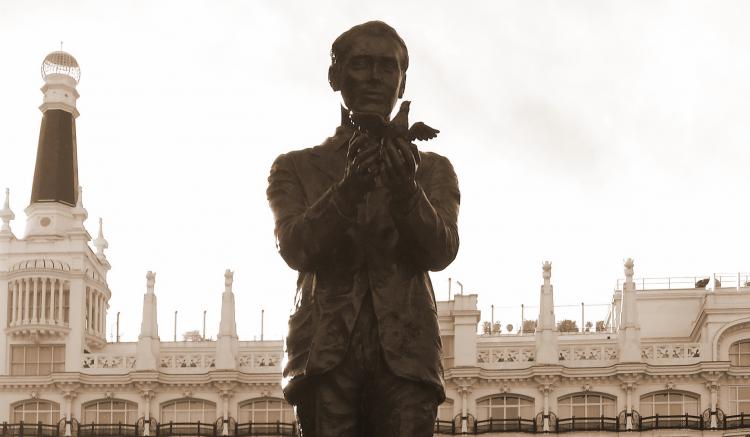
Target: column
{"points": [[629, 388], [61, 302], [546, 388], [69, 396], [89, 311], [103, 315], [95, 300], [225, 393], [713, 388], [44, 301], [27, 309], [14, 311], [35, 301], [52, 318], [464, 410], [464, 388], [147, 395], [98, 310]]}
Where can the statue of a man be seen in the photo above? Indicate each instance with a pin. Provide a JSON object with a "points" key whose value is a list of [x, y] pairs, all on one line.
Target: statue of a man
{"points": [[363, 219]]}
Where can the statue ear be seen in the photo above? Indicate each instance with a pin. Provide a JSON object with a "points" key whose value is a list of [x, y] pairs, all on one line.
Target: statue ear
{"points": [[402, 88], [333, 77]]}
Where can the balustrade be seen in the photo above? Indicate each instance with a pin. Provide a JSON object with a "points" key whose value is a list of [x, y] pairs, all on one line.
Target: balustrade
{"points": [[38, 301]]}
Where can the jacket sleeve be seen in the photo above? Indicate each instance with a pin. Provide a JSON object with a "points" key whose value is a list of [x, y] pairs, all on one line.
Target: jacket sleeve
{"points": [[304, 234], [428, 221]]}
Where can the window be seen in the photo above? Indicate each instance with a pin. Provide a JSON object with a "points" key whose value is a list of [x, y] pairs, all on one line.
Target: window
{"points": [[586, 405], [34, 360], [445, 411], [739, 399], [669, 404], [110, 411], [505, 407], [448, 345], [266, 410], [35, 411], [188, 410], [739, 353]]}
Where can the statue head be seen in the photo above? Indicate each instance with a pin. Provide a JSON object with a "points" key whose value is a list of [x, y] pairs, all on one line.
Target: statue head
{"points": [[368, 67]]}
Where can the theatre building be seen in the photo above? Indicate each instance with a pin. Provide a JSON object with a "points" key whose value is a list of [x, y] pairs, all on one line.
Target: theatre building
{"points": [[672, 356]]}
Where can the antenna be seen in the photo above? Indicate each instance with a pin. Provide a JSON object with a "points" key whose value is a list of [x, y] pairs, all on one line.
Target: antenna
{"points": [[61, 44]]}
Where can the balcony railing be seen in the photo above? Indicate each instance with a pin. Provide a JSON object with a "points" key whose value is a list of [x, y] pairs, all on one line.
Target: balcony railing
{"points": [[737, 421], [445, 427], [275, 429], [685, 421], [587, 424], [187, 429], [107, 430], [504, 425], [286, 429], [28, 430]]}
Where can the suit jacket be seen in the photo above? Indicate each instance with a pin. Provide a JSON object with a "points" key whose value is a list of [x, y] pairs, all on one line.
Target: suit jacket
{"points": [[387, 250]]}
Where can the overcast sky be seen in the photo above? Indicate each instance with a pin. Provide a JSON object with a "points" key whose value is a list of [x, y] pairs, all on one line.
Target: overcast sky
{"points": [[582, 132]]}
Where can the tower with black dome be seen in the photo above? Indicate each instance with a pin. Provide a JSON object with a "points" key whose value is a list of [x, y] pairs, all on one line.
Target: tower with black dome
{"points": [[57, 293], [55, 188]]}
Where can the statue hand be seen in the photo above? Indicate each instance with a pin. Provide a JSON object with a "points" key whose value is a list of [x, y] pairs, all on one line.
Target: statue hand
{"points": [[401, 163], [361, 167]]}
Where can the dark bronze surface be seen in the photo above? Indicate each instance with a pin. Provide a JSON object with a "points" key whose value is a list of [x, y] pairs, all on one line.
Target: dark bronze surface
{"points": [[363, 219]]}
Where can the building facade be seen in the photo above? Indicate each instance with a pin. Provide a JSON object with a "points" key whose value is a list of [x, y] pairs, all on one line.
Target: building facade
{"points": [[672, 357]]}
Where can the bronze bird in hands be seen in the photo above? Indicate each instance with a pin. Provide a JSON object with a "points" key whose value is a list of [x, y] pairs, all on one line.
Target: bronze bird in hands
{"points": [[376, 125]]}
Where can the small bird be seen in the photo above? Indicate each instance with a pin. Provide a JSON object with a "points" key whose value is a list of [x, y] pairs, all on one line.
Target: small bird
{"points": [[375, 125], [418, 131]]}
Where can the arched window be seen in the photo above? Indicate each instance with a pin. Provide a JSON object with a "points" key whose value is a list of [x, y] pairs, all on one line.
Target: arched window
{"points": [[266, 410], [188, 410], [35, 411], [669, 403], [739, 353], [586, 405], [110, 411], [505, 407]]}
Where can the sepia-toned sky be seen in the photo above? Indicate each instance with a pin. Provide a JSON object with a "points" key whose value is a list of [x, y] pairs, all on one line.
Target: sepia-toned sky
{"points": [[582, 132]]}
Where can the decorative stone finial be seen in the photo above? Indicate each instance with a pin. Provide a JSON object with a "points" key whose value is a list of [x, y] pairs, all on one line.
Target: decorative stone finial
{"points": [[228, 279], [150, 279], [79, 211], [629, 270], [100, 243], [6, 214]]}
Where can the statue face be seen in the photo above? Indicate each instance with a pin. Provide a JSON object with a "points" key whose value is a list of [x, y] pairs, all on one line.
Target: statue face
{"points": [[370, 78]]}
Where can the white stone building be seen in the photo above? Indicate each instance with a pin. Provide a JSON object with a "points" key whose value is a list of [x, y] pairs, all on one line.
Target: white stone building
{"points": [[672, 358]]}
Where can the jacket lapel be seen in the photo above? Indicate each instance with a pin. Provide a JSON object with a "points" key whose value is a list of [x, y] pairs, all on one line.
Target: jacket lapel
{"points": [[330, 157]]}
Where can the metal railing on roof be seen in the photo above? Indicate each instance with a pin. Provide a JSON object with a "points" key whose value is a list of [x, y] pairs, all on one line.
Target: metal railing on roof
{"points": [[711, 282]]}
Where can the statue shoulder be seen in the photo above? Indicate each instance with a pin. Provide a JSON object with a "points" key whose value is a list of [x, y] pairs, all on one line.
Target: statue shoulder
{"points": [[294, 156], [432, 160]]}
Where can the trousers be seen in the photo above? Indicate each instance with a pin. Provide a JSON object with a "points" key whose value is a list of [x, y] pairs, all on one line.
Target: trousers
{"points": [[361, 397]]}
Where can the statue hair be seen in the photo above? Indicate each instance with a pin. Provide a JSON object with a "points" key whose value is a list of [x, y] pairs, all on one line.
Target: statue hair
{"points": [[341, 46]]}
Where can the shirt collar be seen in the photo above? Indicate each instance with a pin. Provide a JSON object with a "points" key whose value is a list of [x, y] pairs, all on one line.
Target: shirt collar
{"points": [[342, 136]]}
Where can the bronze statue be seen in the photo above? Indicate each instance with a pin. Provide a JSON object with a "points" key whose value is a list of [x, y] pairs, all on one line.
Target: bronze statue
{"points": [[363, 217]]}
